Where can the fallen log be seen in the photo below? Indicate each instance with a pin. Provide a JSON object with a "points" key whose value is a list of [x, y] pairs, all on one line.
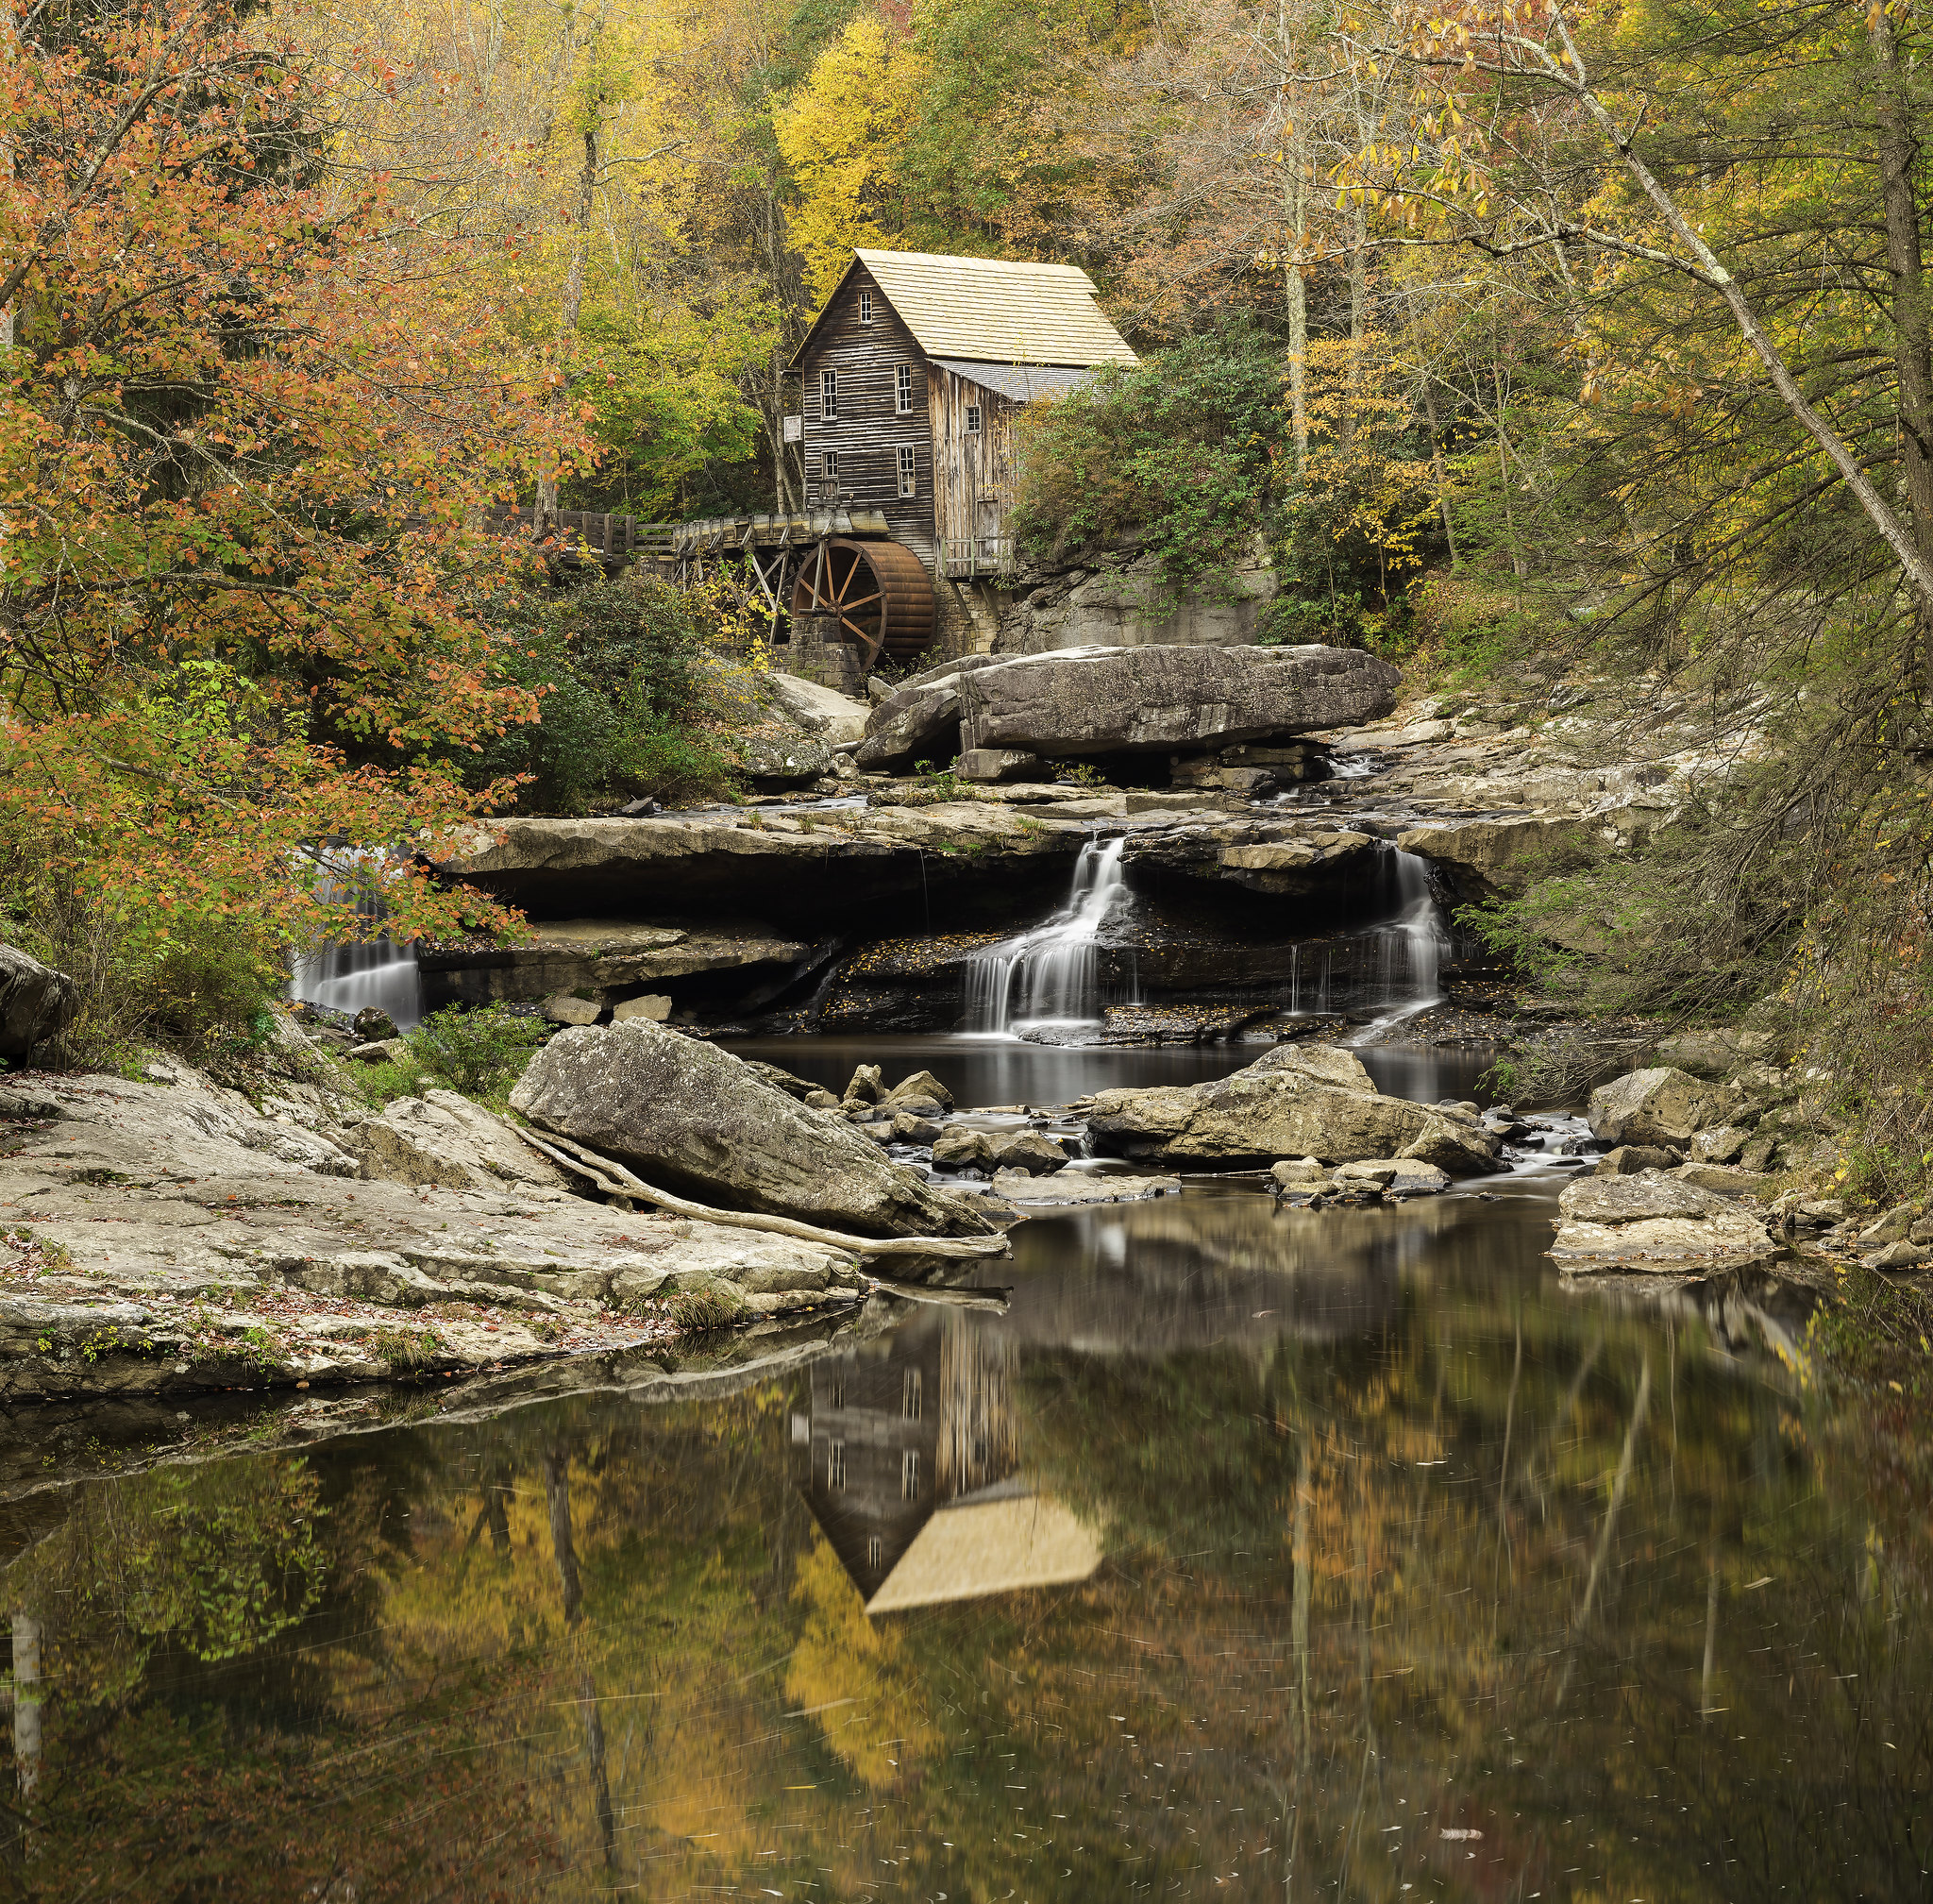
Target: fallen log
{"points": [[615, 1180]]}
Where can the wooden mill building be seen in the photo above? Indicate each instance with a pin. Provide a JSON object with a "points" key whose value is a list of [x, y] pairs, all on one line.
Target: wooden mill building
{"points": [[911, 377]]}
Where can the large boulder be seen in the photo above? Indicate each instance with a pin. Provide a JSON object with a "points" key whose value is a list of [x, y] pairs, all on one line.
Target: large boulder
{"points": [[785, 760], [1155, 700], [835, 717], [1654, 1221], [1294, 1102], [1657, 1106], [35, 1002], [692, 1119]]}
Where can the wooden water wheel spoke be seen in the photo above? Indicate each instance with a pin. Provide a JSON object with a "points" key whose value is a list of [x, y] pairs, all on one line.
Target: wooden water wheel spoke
{"points": [[880, 591]]}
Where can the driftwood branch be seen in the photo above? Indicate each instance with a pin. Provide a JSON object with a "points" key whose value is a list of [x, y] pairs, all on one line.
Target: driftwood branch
{"points": [[614, 1180]]}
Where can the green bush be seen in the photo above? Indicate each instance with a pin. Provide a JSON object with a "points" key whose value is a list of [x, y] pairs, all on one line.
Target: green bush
{"points": [[624, 697], [1176, 451], [480, 1053], [708, 1304]]}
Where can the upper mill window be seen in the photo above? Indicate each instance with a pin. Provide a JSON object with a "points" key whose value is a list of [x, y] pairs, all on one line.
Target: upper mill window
{"points": [[866, 306], [828, 395], [973, 419], [908, 485], [902, 389]]}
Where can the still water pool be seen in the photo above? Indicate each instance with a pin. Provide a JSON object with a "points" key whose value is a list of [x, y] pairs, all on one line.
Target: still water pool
{"points": [[1243, 1554]]}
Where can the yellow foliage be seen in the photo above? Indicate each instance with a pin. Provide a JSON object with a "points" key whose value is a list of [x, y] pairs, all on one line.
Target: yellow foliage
{"points": [[859, 1677], [842, 134]]}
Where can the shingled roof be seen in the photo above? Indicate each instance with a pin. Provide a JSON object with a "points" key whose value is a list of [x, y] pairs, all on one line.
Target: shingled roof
{"points": [[992, 311]]}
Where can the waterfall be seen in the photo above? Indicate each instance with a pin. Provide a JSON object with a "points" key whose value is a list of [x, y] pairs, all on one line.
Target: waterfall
{"points": [[366, 971], [1048, 975], [1413, 943]]}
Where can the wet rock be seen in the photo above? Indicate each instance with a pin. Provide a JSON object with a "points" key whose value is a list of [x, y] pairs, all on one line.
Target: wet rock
{"points": [[36, 1001], [960, 1149], [1658, 1106], [444, 1139], [565, 1009], [1095, 700], [909, 1127], [684, 1114], [1628, 1160], [1025, 1150], [373, 1024], [1654, 1221]]}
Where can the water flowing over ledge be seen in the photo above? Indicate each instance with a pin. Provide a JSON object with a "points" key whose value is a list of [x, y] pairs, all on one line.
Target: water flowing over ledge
{"points": [[1048, 976]]}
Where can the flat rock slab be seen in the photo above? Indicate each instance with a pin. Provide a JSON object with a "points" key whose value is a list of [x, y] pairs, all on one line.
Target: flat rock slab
{"points": [[1068, 1190], [164, 1239], [1654, 1221]]}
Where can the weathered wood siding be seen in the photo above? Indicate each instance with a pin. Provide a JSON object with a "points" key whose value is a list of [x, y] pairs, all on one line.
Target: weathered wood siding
{"points": [[973, 489], [870, 431]]}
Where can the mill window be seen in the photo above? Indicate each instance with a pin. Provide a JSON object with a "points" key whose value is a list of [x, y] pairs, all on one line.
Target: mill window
{"points": [[907, 471], [866, 306], [909, 1475], [912, 1396], [973, 419], [875, 1552], [828, 395], [835, 1464], [902, 389], [829, 465]]}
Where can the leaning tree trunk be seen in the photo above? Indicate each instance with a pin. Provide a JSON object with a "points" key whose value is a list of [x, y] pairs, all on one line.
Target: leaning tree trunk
{"points": [[573, 305]]}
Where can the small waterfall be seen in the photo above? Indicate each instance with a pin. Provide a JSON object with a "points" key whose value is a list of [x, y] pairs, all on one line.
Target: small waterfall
{"points": [[1047, 976], [366, 971], [1412, 945]]}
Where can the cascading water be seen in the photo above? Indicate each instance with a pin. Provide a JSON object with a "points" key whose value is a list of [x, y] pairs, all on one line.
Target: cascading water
{"points": [[1048, 976], [366, 971], [1412, 945]]}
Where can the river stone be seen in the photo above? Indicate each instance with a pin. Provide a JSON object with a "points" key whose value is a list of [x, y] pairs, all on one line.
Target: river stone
{"points": [[1025, 1151], [1628, 1160], [1093, 700], [1291, 1173], [1283, 1105], [988, 765], [653, 1005], [564, 1008], [960, 1149], [866, 1088], [35, 1002], [1656, 1106], [692, 1117], [793, 760], [1723, 1145], [1654, 1221], [911, 724], [921, 1085]]}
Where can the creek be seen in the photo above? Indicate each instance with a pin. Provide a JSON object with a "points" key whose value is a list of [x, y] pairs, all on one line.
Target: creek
{"points": [[1246, 1552]]}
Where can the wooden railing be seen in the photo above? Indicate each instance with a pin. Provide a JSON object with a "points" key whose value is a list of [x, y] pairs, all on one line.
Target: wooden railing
{"points": [[969, 558]]}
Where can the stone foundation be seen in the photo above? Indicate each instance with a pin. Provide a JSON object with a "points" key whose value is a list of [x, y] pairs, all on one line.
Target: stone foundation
{"points": [[816, 652]]}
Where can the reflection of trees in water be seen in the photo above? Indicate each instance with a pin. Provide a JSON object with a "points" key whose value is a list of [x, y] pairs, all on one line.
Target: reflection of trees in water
{"points": [[1490, 1562]]}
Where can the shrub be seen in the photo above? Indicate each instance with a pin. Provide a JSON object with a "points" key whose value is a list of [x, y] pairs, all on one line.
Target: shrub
{"points": [[628, 705], [479, 1053]]}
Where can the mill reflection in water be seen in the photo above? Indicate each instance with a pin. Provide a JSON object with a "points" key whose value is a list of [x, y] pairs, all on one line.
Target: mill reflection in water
{"points": [[911, 1459]]}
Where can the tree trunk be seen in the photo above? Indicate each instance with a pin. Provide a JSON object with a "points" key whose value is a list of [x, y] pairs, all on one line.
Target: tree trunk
{"points": [[1899, 149], [1437, 462], [573, 304]]}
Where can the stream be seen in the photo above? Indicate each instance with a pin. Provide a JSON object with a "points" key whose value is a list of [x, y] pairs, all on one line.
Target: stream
{"points": [[1245, 1552]]}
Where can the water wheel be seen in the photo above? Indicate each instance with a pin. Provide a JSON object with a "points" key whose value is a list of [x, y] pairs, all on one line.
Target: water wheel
{"points": [[880, 591]]}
